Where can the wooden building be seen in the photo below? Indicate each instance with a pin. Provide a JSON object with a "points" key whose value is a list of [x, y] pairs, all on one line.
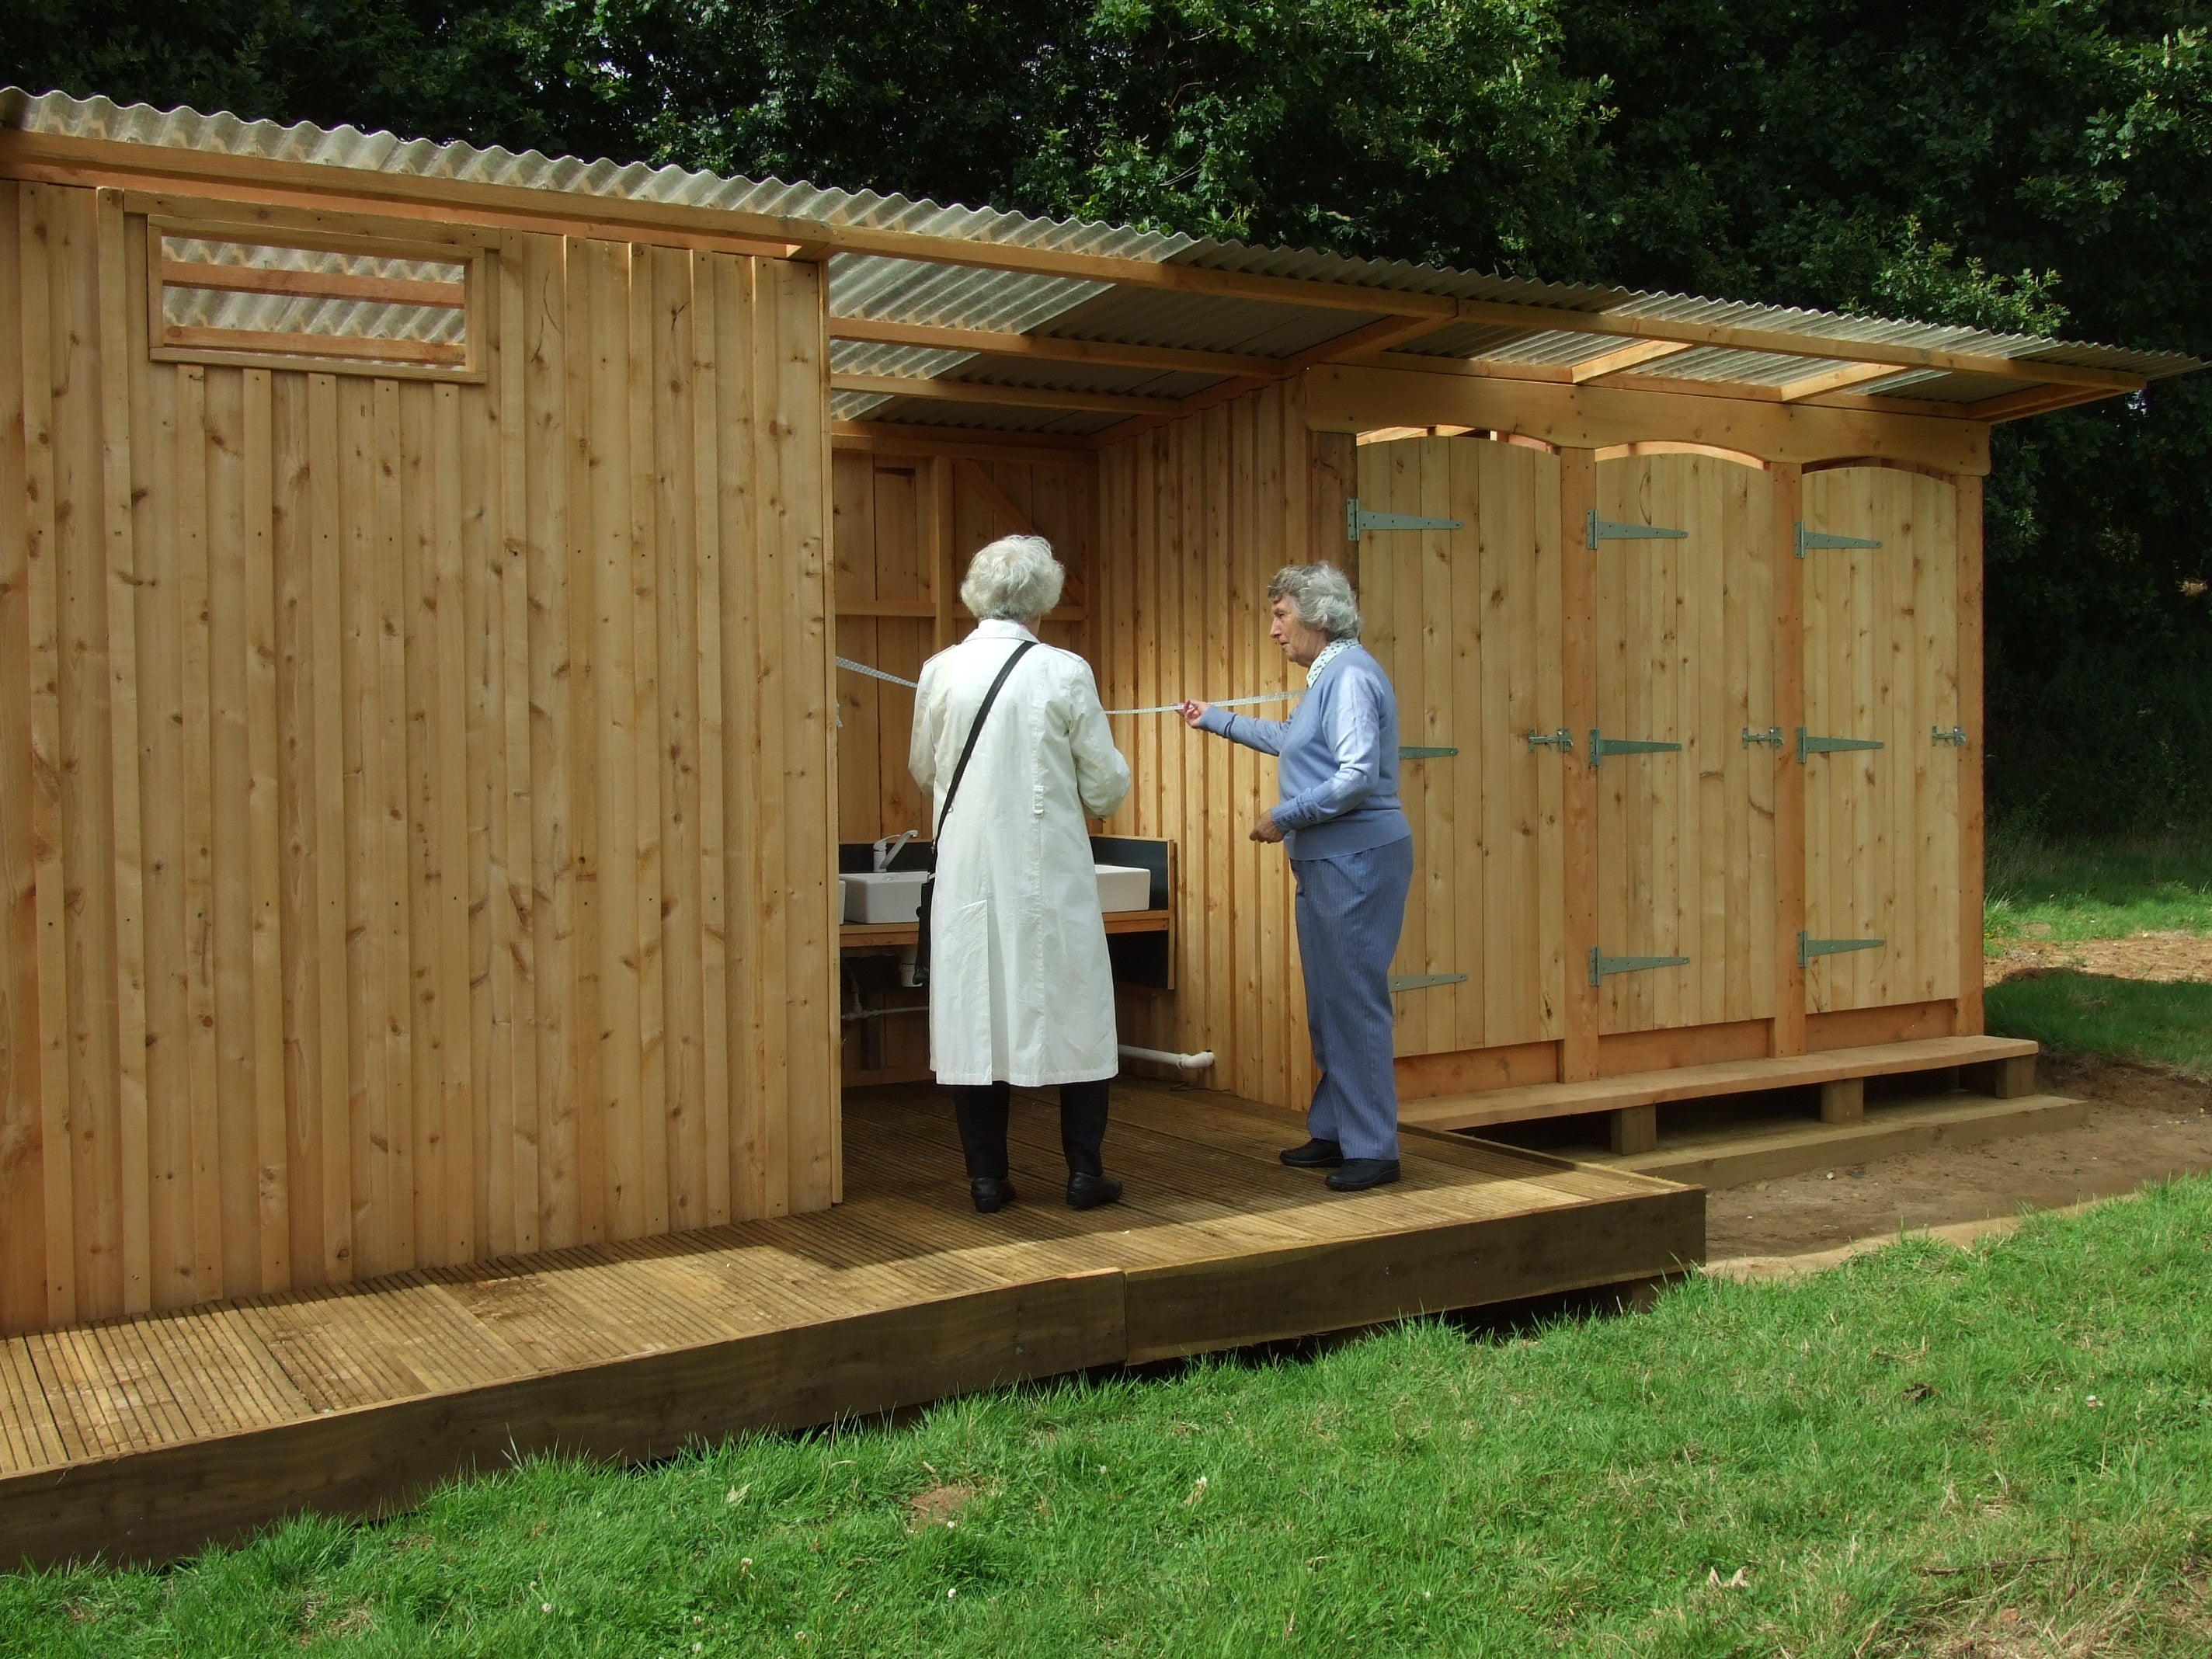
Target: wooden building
{"points": [[423, 760]]}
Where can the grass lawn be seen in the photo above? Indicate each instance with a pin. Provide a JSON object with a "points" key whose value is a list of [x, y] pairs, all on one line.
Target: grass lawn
{"points": [[1925, 1451], [2099, 1014], [2108, 888]]}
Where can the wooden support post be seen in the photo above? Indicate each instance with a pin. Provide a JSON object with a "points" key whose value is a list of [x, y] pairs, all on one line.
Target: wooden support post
{"points": [[1843, 1101], [2012, 1078], [1579, 798], [1788, 1030], [1634, 1129], [1970, 758]]}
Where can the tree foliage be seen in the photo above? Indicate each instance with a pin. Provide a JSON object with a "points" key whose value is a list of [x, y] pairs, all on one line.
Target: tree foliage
{"points": [[2037, 166]]}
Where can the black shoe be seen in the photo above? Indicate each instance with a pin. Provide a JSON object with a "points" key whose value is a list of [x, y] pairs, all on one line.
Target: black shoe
{"points": [[1089, 1192], [1358, 1174], [991, 1194], [1315, 1155]]}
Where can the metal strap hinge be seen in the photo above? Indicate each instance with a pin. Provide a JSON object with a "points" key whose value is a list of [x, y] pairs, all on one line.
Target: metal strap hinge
{"points": [[1602, 967], [1956, 737], [1601, 746], [1809, 541], [1424, 982], [1808, 745], [1421, 751], [1563, 740], [1605, 529], [1771, 737], [1358, 521], [1809, 947]]}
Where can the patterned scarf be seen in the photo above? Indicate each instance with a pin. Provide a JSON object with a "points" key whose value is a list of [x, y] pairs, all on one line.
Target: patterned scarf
{"points": [[1329, 654]]}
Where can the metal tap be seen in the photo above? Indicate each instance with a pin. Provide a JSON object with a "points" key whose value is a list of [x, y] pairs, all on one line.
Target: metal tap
{"points": [[889, 848]]}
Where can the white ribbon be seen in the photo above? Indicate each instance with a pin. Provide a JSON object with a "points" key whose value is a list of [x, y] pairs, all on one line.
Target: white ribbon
{"points": [[1156, 708]]}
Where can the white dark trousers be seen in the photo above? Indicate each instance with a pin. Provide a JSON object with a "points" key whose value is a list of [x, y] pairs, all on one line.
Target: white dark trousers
{"points": [[1351, 909]]}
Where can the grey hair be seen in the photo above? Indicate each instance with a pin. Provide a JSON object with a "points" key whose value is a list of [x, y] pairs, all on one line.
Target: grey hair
{"points": [[1013, 578], [1321, 595]]}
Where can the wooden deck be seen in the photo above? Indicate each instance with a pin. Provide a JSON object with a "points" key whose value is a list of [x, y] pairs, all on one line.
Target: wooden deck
{"points": [[145, 1437]]}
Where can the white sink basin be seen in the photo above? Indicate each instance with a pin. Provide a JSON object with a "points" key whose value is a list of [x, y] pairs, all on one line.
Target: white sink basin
{"points": [[1124, 887], [882, 895]]}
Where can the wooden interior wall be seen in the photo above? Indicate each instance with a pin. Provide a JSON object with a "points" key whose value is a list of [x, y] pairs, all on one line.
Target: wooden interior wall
{"points": [[905, 526], [414, 799], [1881, 665], [1685, 654], [1467, 623], [1195, 516]]}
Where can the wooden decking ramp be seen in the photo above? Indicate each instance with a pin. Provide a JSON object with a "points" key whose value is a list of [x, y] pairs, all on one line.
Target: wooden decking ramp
{"points": [[143, 1438]]}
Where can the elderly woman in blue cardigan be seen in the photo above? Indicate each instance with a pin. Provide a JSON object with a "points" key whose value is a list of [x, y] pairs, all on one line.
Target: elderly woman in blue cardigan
{"points": [[1351, 854]]}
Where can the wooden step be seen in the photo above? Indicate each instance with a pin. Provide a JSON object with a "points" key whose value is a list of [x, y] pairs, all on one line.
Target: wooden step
{"points": [[1733, 1077], [1737, 1157]]}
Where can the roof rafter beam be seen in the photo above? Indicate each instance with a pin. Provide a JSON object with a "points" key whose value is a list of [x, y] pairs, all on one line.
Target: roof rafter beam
{"points": [[1834, 379], [1047, 349], [1627, 357], [1016, 397]]}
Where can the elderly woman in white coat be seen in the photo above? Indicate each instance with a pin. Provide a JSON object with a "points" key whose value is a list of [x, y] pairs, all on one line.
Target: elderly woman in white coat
{"points": [[1021, 990]]}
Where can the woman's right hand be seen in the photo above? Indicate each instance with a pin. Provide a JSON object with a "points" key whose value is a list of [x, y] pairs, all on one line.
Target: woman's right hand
{"points": [[1194, 711]]}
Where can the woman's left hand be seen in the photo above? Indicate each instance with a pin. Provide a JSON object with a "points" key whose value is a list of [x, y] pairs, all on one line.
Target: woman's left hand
{"points": [[1266, 830]]}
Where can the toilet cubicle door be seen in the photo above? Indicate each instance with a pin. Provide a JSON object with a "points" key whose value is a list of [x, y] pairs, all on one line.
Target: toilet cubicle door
{"points": [[1881, 666], [1684, 657], [1466, 621]]}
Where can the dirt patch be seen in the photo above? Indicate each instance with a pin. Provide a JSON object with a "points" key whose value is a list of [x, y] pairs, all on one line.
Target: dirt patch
{"points": [[2146, 1124], [936, 1506], [2163, 959]]}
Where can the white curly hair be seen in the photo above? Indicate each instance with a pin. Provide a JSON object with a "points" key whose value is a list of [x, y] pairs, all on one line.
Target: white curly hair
{"points": [[1013, 578], [1321, 595]]}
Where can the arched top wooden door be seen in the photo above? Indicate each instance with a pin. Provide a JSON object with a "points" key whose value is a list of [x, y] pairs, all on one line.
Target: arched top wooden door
{"points": [[1881, 668], [1467, 622], [1685, 804]]}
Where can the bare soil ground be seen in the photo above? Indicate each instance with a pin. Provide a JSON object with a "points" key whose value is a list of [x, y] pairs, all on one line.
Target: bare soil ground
{"points": [[2147, 1124], [2166, 958]]}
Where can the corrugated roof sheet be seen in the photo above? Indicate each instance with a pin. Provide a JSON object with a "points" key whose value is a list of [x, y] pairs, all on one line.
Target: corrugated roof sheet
{"points": [[909, 290]]}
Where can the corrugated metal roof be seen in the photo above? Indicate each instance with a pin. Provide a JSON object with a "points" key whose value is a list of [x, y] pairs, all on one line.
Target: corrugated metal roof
{"points": [[913, 291]]}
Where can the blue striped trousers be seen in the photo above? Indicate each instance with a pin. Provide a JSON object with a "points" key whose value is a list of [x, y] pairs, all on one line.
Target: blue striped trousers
{"points": [[1350, 911]]}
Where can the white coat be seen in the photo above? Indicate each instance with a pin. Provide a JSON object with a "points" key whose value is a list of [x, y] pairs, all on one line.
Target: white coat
{"points": [[1020, 988]]}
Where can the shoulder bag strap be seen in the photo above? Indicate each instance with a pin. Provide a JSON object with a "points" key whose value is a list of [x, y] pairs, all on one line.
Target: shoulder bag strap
{"points": [[982, 714], [929, 894]]}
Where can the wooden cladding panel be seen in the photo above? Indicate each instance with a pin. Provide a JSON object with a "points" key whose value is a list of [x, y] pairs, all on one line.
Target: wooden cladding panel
{"points": [[1685, 654], [415, 798], [1882, 663], [1195, 516], [1467, 623]]}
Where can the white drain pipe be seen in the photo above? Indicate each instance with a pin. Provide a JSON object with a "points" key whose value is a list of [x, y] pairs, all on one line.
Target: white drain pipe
{"points": [[1198, 1062]]}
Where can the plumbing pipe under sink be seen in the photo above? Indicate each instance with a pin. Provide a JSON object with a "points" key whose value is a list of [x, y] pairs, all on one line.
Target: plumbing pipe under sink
{"points": [[1198, 1062]]}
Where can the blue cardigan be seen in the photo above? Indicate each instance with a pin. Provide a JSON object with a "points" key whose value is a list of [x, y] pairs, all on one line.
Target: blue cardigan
{"points": [[1339, 760]]}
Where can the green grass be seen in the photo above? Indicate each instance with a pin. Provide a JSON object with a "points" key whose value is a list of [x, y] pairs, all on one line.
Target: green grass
{"points": [[2097, 1014], [1879, 1459], [2110, 888]]}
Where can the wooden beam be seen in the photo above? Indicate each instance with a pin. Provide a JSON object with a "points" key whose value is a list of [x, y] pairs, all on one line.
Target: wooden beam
{"points": [[314, 285], [178, 337], [1782, 343], [2032, 400], [1833, 380], [1627, 357], [1015, 396], [1355, 397], [1048, 348], [893, 438]]}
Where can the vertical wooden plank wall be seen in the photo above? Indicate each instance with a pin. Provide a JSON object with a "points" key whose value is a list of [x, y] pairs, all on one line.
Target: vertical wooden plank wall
{"points": [[1194, 516], [416, 798]]}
